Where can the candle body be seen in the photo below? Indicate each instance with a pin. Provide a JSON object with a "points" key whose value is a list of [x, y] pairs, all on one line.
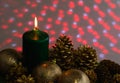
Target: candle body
{"points": [[35, 48]]}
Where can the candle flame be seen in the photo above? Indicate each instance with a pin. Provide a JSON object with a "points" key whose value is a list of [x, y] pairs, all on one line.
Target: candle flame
{"points": [[35, 24]]}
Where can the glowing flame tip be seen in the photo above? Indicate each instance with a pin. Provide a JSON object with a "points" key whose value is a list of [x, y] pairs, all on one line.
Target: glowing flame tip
{"points": [[35, 23]]}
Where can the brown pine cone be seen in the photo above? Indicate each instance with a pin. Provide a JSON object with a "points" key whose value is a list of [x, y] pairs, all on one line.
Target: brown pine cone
{"points": [[92, 75]]}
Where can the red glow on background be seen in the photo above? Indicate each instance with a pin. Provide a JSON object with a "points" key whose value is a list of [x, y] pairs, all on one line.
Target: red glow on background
{"points": [[94, 22], [87, 9], [71, 4], [4, 26]]}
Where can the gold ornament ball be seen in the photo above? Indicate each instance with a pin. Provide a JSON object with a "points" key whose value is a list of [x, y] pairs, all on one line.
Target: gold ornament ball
{"points": [[8, 58], [47, 72], [73, 76]]}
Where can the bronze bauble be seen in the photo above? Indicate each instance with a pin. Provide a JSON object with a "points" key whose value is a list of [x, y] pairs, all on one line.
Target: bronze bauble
{"points": [[47, 72], [73, 76], [8, 57]]}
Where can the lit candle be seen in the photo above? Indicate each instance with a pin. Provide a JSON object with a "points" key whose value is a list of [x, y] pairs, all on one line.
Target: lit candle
{"points": [[35, 46]]}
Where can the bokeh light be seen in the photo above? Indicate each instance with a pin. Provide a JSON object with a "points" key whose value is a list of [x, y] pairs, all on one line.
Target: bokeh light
{"points": [[93, 22]]}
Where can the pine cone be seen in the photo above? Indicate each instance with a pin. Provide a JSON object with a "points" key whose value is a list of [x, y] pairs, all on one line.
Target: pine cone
{"points": [[92, 75], [25, 79], [15, 71], [116, 78], [62, 52], [113, 67], [86, 57], [103, 74]]}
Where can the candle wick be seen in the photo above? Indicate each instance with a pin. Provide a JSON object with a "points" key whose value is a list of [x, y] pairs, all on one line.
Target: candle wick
{"points": [[35, 28]]}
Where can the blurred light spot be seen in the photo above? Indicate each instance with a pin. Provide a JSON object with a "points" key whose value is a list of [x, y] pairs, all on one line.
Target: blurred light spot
{"points": [[113, 22], [111, 44], [38, 1], [101, 56], [104, 31], [119, 35], [30, 23], [108, 10], [54, 5], [81, 0], [59, 18], [63, 31], [71, 10], [99, 18], [11, 19], [13, 45], [75, 23], [13, 31], [94, 40], [89, 27], [85, 14], [78, 36], [6, 5], [95, 6], [26, 10], [47, 27]]}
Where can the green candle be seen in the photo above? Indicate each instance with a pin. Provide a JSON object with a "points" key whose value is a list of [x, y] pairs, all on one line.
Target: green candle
{"points": [[35, 47]]}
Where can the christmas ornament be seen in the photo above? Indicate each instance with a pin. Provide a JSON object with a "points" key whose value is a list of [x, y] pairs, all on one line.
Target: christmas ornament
{"points": [[85, 58], [73, 76], [62, 53], [8, 57], [47, 72]]}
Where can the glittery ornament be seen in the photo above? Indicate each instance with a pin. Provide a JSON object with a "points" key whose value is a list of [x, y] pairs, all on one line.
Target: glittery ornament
{"points": [[47, 72], [73, 76], [8, 57]]}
